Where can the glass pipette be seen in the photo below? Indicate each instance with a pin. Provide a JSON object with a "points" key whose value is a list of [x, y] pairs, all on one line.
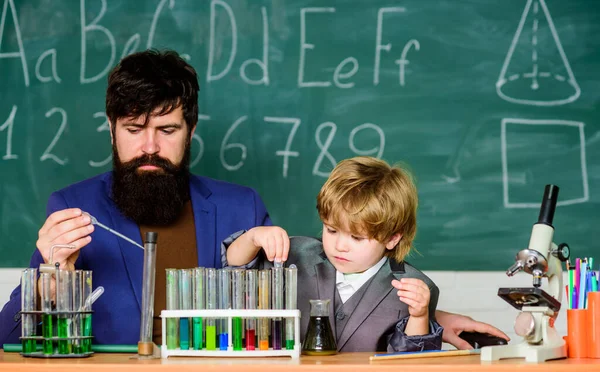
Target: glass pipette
{"points": [[95, 222]]}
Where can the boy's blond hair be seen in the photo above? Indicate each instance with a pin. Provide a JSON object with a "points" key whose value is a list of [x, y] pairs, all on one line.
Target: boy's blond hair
{"points": [[371, 198]]}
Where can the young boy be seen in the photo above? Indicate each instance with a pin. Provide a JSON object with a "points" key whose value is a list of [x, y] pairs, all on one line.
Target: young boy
{"points": [[380, 302]]}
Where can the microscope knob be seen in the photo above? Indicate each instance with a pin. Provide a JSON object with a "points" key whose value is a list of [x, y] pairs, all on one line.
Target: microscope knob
{"points": [[524, 324], [563, 252]]}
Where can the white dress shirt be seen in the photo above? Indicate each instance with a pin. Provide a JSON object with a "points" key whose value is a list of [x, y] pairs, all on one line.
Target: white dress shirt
{"points": [[348, 284]]}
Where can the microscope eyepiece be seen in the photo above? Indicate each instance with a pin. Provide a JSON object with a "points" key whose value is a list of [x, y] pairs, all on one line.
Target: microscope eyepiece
{"points": [[548, 205]]}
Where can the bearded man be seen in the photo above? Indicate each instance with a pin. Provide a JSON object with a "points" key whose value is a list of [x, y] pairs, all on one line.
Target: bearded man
{"points": [[152, 107]]}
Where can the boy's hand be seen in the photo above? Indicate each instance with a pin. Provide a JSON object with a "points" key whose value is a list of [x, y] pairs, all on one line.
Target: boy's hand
{"points": [[274, 241], [414, 293]]}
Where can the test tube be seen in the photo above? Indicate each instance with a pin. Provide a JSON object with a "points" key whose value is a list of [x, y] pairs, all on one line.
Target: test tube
{"points": [[211, 303], [224, 303], [172, 335], [47, 329], [87, 318], [78, 301], [264, 293], [251, 303], [277, 273], [145, 345], [198, 294], [64, 306], [291, 303], [237, 287], [185, 303], [28, 303]]}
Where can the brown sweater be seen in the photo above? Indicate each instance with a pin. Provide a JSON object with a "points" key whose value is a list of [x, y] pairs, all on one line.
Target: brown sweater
{"points": [[175, 248]]}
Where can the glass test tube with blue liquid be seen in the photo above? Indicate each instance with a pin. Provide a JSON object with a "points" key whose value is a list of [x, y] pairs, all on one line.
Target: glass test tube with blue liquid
{"points": [[276, 331], [251, 303], [211, 303], [28, 303], [291, 303], [47, 317], [172, 276], [224, 303], [264, 296], [237, 288], [185, 303], [198, 297]]}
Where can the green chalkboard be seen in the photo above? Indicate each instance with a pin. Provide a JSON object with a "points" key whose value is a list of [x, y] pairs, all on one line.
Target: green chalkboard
{"points": [[487, 101]]}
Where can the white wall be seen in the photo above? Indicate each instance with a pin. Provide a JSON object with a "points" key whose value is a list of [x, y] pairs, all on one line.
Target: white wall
{"points": [[472, 293]]}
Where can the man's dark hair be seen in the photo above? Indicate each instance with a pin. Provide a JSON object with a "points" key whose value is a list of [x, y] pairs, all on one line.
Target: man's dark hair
{"points": [[151, 80]]}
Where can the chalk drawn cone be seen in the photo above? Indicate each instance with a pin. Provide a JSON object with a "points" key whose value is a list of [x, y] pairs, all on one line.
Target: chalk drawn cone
{"points": [[536, 70]]}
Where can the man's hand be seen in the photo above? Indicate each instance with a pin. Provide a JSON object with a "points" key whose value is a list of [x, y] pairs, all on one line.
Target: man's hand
{"points": [[454, 324], [68, 226], [274, 241]]}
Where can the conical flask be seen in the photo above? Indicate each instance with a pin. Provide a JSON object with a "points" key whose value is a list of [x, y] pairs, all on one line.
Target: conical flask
{"points": [[319, 338]]}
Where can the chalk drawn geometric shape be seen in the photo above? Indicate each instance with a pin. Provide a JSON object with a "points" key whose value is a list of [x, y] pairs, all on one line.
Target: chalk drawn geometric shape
{"points": [[536, 70], [582, 161]]}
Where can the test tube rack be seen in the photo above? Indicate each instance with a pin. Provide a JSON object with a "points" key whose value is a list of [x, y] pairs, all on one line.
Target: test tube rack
{"points": [[56, 346], [229, 314]]}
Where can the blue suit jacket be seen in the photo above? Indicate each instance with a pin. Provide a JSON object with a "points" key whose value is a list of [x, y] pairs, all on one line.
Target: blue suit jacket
{"points": [[220, 209]]}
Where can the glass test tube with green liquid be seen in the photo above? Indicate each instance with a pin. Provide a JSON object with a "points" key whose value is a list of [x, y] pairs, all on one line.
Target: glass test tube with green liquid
{"points": [[185, 303], [78, 301], [64, 299], [224, 296], [28, 303], [87, 318], [172, 279], [264, 296], [198, 297], [47, 321], [251, 303], [291, 303], [211, 303], [237, 287]]}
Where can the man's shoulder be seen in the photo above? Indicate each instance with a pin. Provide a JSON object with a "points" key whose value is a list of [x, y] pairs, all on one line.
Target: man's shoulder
{"points": [[219, 187], [92, 184]]}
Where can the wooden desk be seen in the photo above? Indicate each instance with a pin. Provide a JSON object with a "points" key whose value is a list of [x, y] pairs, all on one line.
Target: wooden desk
{"points": [[350, 362]]}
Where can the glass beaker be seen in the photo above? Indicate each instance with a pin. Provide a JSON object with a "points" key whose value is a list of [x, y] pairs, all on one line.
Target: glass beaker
{"points": [[319, 339]]}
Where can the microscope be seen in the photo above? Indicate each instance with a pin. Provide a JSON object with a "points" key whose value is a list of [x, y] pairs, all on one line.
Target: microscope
{"points": [[539, 308]]}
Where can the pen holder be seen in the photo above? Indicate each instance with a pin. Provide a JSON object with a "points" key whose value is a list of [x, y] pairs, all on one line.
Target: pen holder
{"points": [[593, 325], [577, 333]]}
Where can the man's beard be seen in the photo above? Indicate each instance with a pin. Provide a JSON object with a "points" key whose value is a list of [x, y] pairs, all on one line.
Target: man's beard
{"points": [[155, 197]]}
